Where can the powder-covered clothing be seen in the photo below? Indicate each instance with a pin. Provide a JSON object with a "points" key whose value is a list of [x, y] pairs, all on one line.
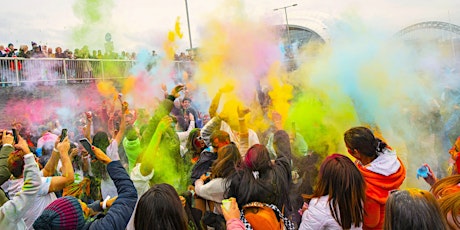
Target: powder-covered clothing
{"points": [[318, 216], [42, 200], [4, 171], [12, 211], [107, 186], [382, 175], [132, 150], [216, 123], [142, 183]]}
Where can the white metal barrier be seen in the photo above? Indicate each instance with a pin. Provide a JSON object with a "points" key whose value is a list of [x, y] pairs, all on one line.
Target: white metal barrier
{"points": [[14, 71]]}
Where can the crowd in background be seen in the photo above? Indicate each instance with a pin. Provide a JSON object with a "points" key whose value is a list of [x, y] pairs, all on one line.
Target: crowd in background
{"points": [[43, 51], [179, 168]]}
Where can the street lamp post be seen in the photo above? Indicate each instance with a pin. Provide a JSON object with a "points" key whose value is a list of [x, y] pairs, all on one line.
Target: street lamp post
{"points": [[287, 22], [188, 25]]}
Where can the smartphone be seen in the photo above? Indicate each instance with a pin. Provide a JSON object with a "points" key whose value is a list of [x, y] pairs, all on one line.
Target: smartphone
{"points": [[87, 147], [15, 135], [63, 135]]}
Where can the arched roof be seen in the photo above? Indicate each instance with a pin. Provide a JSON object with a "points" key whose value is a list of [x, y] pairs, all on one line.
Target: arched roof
{"points": [[430, 25]]}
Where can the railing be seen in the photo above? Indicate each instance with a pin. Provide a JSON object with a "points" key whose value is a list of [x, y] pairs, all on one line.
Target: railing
{"points": [[18, 71]]}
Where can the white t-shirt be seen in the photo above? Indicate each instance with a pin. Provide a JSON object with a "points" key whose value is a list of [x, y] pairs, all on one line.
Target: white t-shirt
{"points": [[41, 202], [107, 186], [142, 185]]}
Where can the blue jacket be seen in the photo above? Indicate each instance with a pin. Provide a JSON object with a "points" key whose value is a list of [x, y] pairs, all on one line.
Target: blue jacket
{"points": [[119, 214]]}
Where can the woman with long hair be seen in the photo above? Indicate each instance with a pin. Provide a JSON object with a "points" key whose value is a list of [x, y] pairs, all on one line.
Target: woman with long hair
{"points": [[228, 159], [382, 170], [160, 208], [101, 184], [259, 179], [413, 209], [337, 201], [262, 181]]}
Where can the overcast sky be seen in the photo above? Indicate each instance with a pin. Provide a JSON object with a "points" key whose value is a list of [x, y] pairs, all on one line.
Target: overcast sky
{"points": [[138, 24]]}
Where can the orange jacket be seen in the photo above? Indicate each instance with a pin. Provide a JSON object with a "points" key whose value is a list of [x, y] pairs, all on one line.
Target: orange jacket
{"points": [[377, 190]]}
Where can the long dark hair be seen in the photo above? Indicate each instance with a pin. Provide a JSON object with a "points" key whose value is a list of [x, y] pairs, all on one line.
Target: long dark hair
{"points": [[413, 209], [363, 140], [343, 183], [100, 140], [228, 159], [263, 181], [160, 208]]}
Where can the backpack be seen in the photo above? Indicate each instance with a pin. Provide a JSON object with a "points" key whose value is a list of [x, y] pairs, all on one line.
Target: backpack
{"points": [[256, 215]]}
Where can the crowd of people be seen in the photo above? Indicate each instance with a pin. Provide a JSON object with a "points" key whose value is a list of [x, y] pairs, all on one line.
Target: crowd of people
{"points": [[122, 168], [43, 51]]}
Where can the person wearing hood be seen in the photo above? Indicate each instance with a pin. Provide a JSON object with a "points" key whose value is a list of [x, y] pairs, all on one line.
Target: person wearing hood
{"points": [[132, 147], [382, 170]]}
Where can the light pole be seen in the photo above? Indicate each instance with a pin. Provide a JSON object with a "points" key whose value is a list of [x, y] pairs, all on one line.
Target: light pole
{"points": [[287, 22], [188, 25]]}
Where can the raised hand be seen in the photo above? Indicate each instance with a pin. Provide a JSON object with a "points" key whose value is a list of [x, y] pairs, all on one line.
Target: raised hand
{"points": [[7, 138], [176, 90], [242, 111], [227, 88], [165, 122]]}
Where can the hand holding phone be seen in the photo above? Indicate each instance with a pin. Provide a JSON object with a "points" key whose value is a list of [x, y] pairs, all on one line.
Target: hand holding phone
{"points": [[63, 135], [15, 136], [87, 147]]}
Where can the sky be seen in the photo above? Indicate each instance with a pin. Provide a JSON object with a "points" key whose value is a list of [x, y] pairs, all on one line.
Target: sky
{"points": [[137, 24]]}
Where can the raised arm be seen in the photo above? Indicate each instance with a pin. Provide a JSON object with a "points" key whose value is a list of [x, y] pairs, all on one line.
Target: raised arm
{"points": [[7, 148], [152, 148], [59, 182], [215, 101], [52, 163], [89, 122], [244, 135], [163, 110], [13, 209], [121, 210], [121, 132], [184, 135]]}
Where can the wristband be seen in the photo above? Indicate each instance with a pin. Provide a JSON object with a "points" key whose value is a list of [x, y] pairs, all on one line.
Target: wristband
{"points": [[241, 119], [104, 203], [171, 97], [55, 150]]}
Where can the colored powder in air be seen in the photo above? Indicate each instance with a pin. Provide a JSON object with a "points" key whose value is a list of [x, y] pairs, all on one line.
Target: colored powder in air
{"points": [[365, 78], [95, 21], [170, 45], [281, 91]]}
